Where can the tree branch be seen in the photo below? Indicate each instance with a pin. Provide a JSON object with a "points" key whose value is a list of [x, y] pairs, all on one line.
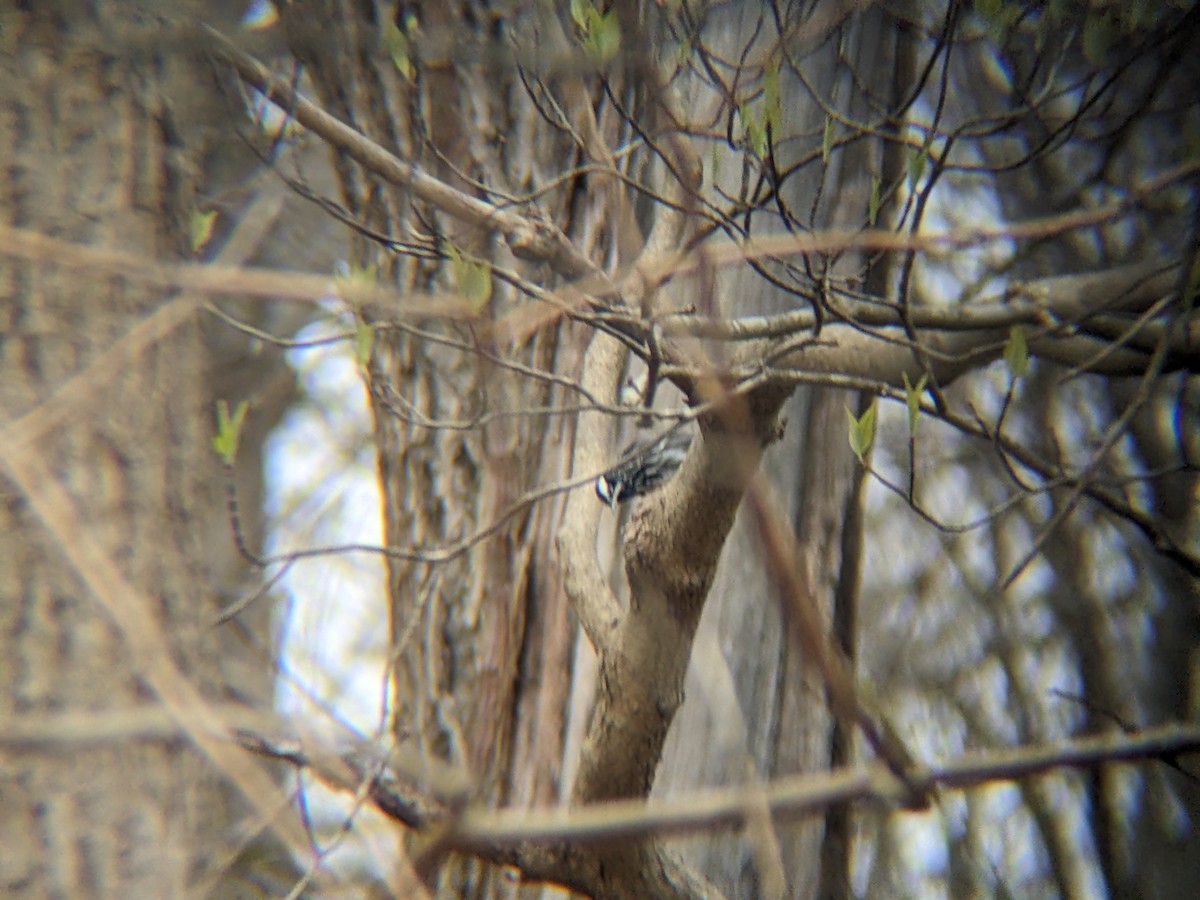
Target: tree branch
{"points": [[539, 842], [528, 237]]}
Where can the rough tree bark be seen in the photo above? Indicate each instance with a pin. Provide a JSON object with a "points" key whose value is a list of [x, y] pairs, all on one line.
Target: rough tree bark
{"points": [[768, 716], [457, 608], [114, 532]]}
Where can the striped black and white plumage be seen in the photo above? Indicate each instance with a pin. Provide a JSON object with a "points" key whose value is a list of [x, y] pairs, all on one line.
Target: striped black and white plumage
{"points": [[645, 465]]}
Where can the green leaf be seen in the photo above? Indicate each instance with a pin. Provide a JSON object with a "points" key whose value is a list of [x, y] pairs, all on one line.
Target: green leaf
{"points": [[827, 140], [364, 341], [1016, 352], [684, 51], [599, 34], [400, 51], [359, 276], [756, 135], [608, 38], [229, 428], [473, 279], [772, 104], [912, 398], [873, 202], [355, 280], [200, 228], [862, 430], [916, 166], [579, 14]]}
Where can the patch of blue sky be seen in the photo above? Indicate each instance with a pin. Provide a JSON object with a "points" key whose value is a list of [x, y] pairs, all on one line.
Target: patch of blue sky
{"points": [[259, 14], [330, 622], [321, 491]]}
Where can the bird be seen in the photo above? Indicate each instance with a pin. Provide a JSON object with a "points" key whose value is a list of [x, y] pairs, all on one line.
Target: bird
{"points": [[646, 465]]}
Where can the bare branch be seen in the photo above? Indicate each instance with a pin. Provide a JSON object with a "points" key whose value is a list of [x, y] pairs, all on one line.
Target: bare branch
{"points": [[496, 834], [527, 236]]}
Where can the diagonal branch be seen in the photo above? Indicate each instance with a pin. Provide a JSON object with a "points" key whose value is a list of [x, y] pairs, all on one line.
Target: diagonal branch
{"points": [[529, 237], [535, 841]]}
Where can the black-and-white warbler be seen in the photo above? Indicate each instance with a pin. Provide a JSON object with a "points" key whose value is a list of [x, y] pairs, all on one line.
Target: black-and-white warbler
{"points": [[645, 465]]}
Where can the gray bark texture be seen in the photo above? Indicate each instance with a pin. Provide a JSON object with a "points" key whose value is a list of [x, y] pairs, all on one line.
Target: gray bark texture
{"points": [[115, 546], [756, 709], [567, 225]]}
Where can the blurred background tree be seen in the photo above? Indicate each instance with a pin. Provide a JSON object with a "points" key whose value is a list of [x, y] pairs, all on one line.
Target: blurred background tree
{"points": [[993, 201]]}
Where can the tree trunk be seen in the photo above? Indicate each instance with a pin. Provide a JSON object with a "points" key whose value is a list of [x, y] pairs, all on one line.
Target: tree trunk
{"points": [[114, 532], [764, 714]]}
